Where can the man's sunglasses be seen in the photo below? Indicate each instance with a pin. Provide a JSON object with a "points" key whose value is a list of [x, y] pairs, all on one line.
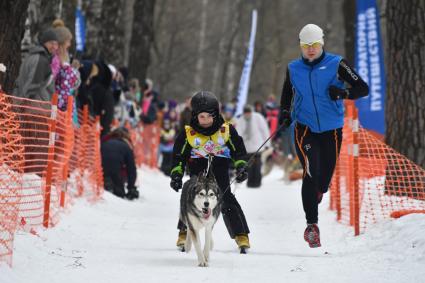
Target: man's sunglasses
{"points": [[313, 44]]}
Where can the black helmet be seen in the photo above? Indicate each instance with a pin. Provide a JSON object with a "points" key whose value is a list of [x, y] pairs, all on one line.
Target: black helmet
{"points": [[204, 101]]}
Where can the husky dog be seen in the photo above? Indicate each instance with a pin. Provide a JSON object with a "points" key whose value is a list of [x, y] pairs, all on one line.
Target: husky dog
{"points": [[200, 208]]}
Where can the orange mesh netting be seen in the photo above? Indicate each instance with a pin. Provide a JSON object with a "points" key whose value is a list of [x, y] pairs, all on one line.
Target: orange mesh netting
{"points": [[37, 148], [146, 143], [372, 181]]}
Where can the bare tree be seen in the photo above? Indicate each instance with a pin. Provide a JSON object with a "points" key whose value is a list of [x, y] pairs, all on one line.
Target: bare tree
{"points": [[12, 25], [93, 14], [142, 38], [202, 39], [42, 13], [112, 35], [128, 29], [349, 10], [405, 113]]}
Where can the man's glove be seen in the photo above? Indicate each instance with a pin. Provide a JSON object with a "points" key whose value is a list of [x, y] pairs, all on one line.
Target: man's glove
{"points": [[176, 181], [241, 173], [337, 93], [285, 118]]}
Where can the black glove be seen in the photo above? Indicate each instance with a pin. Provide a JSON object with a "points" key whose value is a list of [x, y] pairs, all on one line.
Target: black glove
{"points": [[132, 193], [241, 173], [285, 118], [337, 93], [176, 181]]}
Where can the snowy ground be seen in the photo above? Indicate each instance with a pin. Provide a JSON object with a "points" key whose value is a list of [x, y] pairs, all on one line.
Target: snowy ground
{"points": [[121, 241]]}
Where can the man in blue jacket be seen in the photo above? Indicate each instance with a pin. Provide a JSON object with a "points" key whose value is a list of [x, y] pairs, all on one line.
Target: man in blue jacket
{"points": [[312, 97]]}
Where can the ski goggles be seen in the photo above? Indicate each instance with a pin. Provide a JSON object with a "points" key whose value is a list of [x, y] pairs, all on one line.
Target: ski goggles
{"points": [[315, 44]]}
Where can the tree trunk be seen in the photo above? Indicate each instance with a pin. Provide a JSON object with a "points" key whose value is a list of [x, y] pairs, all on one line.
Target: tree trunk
{"points": [[349, 9], [93, 14], [405, 115], [12, 26], [42, 13], [112, 35], [229, 67], [128, 30], [141, 39], [202, 34]]}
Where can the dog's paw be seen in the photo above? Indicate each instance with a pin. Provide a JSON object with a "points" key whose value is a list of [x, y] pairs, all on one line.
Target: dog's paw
{"points": [[203, 263], [207, 256]]}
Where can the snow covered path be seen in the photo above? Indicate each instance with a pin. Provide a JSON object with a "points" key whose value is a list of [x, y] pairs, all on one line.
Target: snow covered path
{"points": [[120, 241]]}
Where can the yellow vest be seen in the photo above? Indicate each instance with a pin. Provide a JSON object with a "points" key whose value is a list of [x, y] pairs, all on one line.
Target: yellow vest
{"points": [[213, 145]]}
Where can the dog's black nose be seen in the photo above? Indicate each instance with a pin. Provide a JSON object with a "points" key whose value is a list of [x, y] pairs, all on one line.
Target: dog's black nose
{"points": [[206, 204]]}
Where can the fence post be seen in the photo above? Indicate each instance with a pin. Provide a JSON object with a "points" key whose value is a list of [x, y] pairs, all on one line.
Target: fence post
{"points": [[349, 181], [68, 119], [98, 160], [356, 188], [83, 144], [50, 160]]}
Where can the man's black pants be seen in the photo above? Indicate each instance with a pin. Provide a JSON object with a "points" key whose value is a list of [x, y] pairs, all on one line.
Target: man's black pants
{"points": [[318, 153]]}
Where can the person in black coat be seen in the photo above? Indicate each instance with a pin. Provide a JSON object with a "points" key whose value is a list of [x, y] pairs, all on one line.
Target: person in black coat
{"points": [[95, 90], [118, 164]]}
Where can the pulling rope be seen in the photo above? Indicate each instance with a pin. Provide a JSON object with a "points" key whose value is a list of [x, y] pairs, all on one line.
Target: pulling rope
{"points": [[250, 161]]}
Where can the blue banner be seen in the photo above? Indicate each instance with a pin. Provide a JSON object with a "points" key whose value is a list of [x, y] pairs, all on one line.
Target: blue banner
{"points": [[80, 30], [369, 63], [246, 72]]}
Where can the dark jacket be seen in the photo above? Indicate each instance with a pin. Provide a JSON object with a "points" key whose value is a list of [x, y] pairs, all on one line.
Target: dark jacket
{"points": [[116, 155], [35, 80]]}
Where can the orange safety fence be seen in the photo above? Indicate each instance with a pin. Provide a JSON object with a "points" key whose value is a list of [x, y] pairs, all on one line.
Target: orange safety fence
{"points": [[146, 144], [45, 163], [372, 181]]}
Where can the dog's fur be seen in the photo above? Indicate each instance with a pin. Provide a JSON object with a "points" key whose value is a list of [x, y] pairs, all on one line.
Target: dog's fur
{"points": [[200, 208]]}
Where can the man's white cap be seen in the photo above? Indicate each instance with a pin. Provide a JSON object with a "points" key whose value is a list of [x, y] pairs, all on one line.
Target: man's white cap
{"points": [[311, 33]]}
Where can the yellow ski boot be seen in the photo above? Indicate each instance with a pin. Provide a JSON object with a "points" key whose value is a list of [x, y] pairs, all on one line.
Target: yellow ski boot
{"points": [[243, 242], [181, 240]]}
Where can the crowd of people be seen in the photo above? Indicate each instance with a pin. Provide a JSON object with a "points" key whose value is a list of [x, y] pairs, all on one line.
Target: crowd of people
{"points": [[122, 102], [305, 130]]}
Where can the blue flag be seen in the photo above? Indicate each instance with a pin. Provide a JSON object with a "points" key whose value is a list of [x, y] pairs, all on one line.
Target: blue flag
{"points": [[80, 30], [369, 63]]}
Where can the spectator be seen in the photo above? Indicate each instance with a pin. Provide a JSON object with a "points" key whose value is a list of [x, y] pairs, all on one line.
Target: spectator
{"points": [[254, 131], [259, 108], [185, 115], [272, 113], [168, 134], [149, 103], [118, 164], [228, 113], [68, 78], [35, 80]]}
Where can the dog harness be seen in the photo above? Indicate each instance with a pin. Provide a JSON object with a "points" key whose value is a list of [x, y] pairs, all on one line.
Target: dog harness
{"points": [[202, 146]]}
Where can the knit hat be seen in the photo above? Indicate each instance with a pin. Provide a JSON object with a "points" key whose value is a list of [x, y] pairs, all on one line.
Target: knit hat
{"points": [[48, 35], [62, 32], [311, 33]]}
